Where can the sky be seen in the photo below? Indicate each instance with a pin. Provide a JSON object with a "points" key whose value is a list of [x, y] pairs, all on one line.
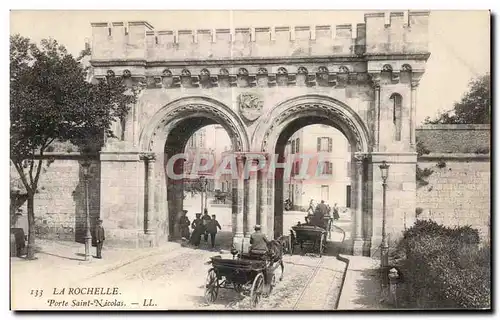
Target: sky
{"points": [[459, 41]]}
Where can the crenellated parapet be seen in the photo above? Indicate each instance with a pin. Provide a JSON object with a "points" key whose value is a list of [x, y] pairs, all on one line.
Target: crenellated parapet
{"points": [[404, 32], [127, 39], [389, 47]]}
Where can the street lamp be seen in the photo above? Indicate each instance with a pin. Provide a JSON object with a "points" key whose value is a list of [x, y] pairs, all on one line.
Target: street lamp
{"points": [[384, 260], [202, 179], [88, 236]]}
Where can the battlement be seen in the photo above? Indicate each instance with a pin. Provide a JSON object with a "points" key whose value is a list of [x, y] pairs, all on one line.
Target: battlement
{"points": [[381, 33]]}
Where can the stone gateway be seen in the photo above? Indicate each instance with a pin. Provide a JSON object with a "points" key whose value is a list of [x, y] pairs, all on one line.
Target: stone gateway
{"points": [[261, 84]]}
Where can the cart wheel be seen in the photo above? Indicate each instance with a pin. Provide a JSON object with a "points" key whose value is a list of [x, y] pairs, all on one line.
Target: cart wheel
{"points": [[257, 290], [211, 287]]}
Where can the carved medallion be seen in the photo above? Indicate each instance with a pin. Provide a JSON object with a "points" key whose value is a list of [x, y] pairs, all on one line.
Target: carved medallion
{"points": [[250, 106]]}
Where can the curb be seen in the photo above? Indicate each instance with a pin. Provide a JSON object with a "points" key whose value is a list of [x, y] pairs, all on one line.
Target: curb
{"points": [[346, 261]]}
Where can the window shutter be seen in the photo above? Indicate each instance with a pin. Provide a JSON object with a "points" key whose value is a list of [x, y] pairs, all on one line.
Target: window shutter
{"points": [[297, 148], [293, 146], [319, 144], [330, 145], [330, 168]]}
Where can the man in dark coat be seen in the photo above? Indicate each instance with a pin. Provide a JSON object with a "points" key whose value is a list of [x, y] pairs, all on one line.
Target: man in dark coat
{"points": [[99, 238], [212, 226], [205, 219], [319, 214], [258, 243], [198, 230], [184, 224]]}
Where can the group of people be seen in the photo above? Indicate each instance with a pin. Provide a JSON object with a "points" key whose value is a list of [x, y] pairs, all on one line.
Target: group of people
{"points": [[317, 214], [202, 226]]}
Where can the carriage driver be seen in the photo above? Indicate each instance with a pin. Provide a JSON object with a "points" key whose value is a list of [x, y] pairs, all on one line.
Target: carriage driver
{"points": [[258, 243]]}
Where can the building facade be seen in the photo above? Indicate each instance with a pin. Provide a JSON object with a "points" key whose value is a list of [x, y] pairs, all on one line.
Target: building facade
{"points": [[334, 150]]}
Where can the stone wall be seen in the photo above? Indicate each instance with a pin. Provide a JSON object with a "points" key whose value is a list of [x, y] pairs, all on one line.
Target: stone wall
{"points": [[59, 204], [458, 190]]}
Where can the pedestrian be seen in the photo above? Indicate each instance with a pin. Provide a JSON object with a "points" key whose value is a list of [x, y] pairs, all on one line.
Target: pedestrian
{"points": [[336, 215], [184, 224], [205, 220], [99, 238], [212, 226], [197, 230]]}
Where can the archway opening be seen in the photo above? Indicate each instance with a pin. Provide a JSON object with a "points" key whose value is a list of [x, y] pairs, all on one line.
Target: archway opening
{"points": [[321, 152], [194, 185]]}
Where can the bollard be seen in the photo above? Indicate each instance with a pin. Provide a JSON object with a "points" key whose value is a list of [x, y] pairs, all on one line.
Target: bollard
{"points": [[393, 286]]}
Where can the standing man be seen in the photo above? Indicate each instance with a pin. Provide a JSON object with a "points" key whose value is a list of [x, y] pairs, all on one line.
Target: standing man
{"points": [[212, 226], [99, 238], [205, 219], [184, 224], [336, 212]]}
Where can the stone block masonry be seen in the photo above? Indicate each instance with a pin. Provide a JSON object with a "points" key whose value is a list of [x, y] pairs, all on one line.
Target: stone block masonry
{"points": [[458, 192]]}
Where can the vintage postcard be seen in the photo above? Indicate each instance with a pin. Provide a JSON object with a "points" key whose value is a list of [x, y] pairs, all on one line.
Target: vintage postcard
{"points": [[250, 160]]}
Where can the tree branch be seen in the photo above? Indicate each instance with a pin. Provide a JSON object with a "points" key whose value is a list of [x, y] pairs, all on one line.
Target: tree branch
{"points": [[32, 162], [22, 176], [39, 168]]}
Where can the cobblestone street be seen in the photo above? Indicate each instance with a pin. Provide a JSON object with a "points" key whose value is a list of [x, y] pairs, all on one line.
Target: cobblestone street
{"points": [[176, 279], [172, 276]]}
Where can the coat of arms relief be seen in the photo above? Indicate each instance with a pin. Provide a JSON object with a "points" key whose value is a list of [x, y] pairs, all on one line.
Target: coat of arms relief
{"points": [[250, 106]]}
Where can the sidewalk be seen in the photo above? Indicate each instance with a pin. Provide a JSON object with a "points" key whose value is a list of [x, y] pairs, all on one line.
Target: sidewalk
{"points": [[361, 289], [67, 259]]}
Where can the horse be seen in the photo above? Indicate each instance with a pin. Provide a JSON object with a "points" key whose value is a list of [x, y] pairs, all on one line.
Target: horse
{"points": [[276, 248]]}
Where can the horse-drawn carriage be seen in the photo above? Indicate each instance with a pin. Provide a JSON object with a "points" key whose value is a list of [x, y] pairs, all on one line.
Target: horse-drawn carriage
{"points": [[308, 234], [246, 274], [220, 196]]}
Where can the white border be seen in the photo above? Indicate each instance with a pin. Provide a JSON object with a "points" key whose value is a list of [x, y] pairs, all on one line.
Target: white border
{"points": [[190, 4]]}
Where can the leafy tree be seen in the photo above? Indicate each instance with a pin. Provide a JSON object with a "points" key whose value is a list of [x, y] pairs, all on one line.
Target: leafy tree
{"points": [[51, 100], [474, 108]]}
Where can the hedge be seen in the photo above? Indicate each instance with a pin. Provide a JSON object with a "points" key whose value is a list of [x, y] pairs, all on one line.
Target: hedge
{"points": [[445, 267]]}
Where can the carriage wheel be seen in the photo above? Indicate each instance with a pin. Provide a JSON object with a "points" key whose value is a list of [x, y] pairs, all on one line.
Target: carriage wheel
{"points": [[291, 242], [257, 290], [211, 286]]}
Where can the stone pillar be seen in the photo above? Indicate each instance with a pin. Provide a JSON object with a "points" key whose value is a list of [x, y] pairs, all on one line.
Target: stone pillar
{"points": [[150, 213], [263, 204], [239, 190], [358, 230], [376, 86], [413, 114], [253, 189]]}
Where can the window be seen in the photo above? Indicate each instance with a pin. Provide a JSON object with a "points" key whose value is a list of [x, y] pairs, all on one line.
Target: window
{"points": [[297, 143], [397, 114], [327, 168], [293, 146], [297, 168], [325, 144]]}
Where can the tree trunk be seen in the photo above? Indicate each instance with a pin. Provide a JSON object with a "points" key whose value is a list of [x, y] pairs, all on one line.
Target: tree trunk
{"points": [[31, 227]]}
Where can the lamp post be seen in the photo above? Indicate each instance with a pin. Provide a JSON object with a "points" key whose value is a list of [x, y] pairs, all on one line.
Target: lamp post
{"points": [[384, 260], [202, 179], [88, 236]]}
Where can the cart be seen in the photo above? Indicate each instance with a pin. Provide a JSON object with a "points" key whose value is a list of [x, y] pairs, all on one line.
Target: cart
{"points": [[308, 234], [243, 275]]}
